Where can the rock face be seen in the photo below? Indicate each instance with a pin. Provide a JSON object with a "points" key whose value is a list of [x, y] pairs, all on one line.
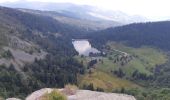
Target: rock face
{"points": [[92, 95], [13, 99], [83, 95], [37, 94], [20, 57]]}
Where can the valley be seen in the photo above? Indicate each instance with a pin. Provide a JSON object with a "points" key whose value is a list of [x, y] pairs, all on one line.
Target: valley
{"points": [[122, 67], [121, 64], [92, 50]]}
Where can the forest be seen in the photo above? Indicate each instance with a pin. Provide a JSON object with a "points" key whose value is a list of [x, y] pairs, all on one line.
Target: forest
{"points": [[155, 34], [152, 34], [57, 69]]}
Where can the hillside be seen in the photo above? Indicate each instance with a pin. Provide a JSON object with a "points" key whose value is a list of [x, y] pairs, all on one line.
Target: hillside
{"points": [[84, 12], [154, 34], [36, 52], [138, 53], [29, 44], [84, 24], [136, 71], [18, 29]]}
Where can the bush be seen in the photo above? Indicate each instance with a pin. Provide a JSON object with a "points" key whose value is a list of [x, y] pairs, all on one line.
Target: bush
{"points": [[70, 89], [54, 95], [100, 89], [7, 54], [89, 87]]}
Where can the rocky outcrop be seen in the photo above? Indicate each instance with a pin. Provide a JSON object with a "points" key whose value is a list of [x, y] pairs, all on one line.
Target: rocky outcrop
{"points": [[83, 95], [13, 99], [92, 95], [22, 52], [21, 57]]}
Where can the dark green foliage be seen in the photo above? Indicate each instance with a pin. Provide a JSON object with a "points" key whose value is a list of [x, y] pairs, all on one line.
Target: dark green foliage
{"points": [[54, 71], [119, 73], [92, 63], [11, 83], [89, 87], [34, 22], [100, 89], [11, 68], [7, 54], [141, 76], [162, 75], [149, 94], [153, 34], [122, 90], [57, 69]]}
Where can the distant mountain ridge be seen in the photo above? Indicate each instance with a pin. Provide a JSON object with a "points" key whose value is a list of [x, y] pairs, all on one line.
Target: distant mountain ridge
{"points": [[154, 34], [84, 24], [79, 11]]}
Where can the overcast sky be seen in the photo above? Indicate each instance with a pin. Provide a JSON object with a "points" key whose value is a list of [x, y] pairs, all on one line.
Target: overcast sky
{"points": [[152, 9]]}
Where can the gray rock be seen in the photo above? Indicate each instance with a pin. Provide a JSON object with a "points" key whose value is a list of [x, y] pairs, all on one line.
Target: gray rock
{"points": [[83, 95]]}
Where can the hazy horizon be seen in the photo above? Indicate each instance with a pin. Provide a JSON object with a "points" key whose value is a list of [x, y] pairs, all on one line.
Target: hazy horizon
{"points": [[151, 9]]}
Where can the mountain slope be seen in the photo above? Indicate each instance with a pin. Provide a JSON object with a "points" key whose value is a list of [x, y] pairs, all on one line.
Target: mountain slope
{"points": [[152, 34], [26, 36], [16, 25], [82, 11], [84, 24], [148, 45]]}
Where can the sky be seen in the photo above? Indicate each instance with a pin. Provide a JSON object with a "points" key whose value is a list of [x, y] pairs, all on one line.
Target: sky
{"points": [[152, 9]]}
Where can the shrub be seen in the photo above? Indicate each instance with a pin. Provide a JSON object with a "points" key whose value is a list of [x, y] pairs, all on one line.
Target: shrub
{"points": [[89, 87], [70, 89], [54, 95], [7, 54], [100, 89]]}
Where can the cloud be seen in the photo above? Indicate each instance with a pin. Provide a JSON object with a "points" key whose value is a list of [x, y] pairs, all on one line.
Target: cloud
{"points": [[1, 1], [154, 9]]}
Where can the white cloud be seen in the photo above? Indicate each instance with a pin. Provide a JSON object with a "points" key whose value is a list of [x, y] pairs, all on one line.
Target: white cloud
{"points": [[1, 1], [150, 8]]}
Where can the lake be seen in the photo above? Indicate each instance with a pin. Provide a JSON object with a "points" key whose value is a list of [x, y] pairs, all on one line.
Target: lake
{"points": [[83, 47]]}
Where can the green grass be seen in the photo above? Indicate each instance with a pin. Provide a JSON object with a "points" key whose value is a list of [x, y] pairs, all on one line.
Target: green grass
{"points": [[151, 55], [105, 81], [144, 59], [136, 65], [3, 33], [54, 95], [106, 66], [147, 58]]}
